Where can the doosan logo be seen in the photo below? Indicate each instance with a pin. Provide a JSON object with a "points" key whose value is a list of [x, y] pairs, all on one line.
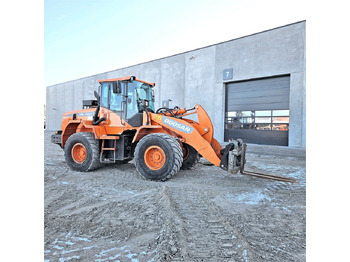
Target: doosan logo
{"points": [[177, 125]]}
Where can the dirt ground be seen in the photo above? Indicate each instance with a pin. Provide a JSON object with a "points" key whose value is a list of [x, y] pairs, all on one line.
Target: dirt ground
{"points": [[203, 214]]}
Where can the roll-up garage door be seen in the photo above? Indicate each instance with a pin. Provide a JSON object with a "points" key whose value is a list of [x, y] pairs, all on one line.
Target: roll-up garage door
{"points": [[258, 110]]}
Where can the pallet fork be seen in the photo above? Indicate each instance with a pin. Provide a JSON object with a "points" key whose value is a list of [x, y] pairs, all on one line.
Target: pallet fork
{"points": [[234, 160]]}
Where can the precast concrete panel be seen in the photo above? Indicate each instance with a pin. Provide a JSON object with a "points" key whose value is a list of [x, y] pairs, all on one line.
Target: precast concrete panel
{"points": [[151, 72], [68, 97], [275, 52], [114, 74], [303, 141], [90, 85], [78, 87], [296, 109], [101, 77], [199, 80], [219, 114], [131, 71], [59, 105], [199, 77], [172, 79], [51, 102]]}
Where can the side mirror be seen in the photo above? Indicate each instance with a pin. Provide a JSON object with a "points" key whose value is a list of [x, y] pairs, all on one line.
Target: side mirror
{"points": [[97, 95], [117, 88]]}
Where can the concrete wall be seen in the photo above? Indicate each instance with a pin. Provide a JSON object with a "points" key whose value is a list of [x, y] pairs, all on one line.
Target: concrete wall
{"points": [[275, 52], [196, 77]]}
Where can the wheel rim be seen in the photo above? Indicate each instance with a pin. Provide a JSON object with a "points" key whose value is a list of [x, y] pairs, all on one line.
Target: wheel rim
{"points": [[185, 151], [154, 157], [79, 153]]}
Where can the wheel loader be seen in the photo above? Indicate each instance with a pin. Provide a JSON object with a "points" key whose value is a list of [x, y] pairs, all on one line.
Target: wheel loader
{"points": [[122, 124]]}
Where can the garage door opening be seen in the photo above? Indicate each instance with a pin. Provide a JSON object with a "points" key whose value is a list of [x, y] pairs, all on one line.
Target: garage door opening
{"points": [[258, 111]]}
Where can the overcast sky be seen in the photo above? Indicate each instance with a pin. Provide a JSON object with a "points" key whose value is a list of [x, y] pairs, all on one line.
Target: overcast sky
{"points": [[83, 38]]}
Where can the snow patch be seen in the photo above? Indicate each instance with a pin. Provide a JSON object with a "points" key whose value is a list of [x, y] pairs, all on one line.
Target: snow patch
{"points": [[250, 198]]}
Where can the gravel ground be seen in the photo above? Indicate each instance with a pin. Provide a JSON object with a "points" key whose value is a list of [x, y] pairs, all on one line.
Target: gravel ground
{"points": [[203, 214]]}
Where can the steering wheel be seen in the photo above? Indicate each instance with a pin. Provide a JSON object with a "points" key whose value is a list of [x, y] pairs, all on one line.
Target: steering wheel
{"points": [[162, 110]]}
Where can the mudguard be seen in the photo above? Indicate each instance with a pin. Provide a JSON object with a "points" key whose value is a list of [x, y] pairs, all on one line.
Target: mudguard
{"points": [[198, 135]]}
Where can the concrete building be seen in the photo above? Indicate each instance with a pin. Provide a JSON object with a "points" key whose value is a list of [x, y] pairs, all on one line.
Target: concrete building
{"points": [[252, 87]]}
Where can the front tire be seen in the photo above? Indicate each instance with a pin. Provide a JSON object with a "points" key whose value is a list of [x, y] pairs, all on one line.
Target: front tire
{"points": [[158, 156], [81, 152]]}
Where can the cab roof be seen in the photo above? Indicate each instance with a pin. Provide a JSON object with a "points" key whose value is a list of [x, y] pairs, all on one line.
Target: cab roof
{"points": [[126, 78]]}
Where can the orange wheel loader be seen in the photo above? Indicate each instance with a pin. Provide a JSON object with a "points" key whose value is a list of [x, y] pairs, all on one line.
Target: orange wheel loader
{"points": [[122, 124]]}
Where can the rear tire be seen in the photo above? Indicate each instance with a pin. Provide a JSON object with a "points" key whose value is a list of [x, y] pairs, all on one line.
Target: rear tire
{"points": [[190, 156], [158, 156], [81, 152]]}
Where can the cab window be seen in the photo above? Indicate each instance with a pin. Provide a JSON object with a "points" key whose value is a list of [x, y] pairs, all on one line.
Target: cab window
{"points": [[117, 100], [132, 101], [104, 95]]}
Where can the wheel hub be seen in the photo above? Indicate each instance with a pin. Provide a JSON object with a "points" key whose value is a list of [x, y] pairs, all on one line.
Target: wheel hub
{"points": [[154, 157], [78, 153]]}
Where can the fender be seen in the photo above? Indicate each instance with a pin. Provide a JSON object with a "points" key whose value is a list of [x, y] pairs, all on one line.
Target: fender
{"points": [[189, 134], [69, 130], [147, 129]]}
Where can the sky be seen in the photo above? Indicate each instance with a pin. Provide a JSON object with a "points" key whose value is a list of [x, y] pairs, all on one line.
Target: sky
{"points": [[83, 38]]}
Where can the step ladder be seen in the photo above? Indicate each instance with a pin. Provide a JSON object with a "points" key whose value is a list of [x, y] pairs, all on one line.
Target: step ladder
{"points": [[103, 148]]}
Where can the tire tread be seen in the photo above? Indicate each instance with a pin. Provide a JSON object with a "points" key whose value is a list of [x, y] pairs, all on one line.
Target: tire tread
{"points": [[95, 148], [176, 149]]}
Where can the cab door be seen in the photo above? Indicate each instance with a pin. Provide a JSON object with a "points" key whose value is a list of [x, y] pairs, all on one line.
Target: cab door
{"points": [[113, 106]]}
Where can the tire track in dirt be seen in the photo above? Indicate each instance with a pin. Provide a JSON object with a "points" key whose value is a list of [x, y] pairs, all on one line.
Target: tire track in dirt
{"points": [[198, 230], [172, 244], [268, 224], [204, 214], [100, 231]]}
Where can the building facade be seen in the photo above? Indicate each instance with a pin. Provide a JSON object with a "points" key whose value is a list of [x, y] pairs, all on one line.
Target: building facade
{"points": [[252, 87]]}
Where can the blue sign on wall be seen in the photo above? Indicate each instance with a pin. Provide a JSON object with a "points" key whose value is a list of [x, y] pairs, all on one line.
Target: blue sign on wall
{"points": [[228, 74]]}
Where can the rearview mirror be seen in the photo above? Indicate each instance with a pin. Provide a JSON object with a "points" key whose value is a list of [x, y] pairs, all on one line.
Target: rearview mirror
{"points": [[117, 88], [96, 95]]}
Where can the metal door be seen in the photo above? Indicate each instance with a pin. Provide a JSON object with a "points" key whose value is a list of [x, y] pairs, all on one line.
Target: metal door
{"points": [[258, 110]]}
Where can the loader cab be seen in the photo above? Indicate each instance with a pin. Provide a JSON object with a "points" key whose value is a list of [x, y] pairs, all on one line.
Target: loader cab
{"points": [[126, 98]]}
